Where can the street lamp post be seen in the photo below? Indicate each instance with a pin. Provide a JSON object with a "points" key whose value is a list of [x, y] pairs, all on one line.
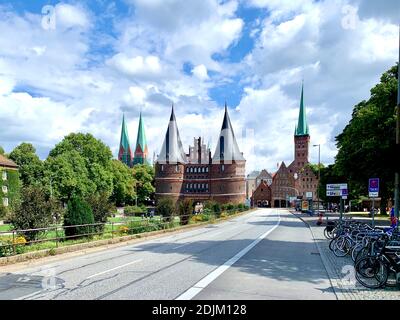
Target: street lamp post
{"points": [[397, 178], [319, 172]]}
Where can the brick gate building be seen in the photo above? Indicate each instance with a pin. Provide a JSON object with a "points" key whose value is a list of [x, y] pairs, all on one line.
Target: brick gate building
{"points": [[198, 175]]}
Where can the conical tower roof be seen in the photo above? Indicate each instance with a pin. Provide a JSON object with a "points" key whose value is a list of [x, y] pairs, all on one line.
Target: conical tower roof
{"points": [[227, 148], [302, 125], [172, 149], [125, 152], [141, 149]]}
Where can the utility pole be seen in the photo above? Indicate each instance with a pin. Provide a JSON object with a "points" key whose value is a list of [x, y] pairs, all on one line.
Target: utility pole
{"points": [[396, 178]]}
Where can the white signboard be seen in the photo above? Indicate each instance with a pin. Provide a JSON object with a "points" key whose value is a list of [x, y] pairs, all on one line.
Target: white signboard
{"points": [[309, 195], [336, 190]]}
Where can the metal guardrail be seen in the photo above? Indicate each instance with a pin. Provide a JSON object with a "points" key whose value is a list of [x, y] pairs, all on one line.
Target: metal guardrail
{"points": [[10, 241]]}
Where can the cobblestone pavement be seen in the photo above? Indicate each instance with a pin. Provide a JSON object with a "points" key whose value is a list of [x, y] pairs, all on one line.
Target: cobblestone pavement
{"points": [[341, 270]]}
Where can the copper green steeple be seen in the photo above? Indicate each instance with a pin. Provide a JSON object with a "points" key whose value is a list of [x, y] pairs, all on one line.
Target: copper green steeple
{"points": [[302, 125], [125, 152], [141, 150]]}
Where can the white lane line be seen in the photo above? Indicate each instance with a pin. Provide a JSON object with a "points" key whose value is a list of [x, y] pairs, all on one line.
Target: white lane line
{"points": [[109, 270], [199, 286]]}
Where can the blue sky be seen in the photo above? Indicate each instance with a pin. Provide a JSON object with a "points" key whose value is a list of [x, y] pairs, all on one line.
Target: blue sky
{"points": [[103, 58]]}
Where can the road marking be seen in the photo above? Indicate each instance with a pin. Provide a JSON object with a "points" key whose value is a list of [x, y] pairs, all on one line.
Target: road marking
{"points": [[199, 286], [119, 267]]}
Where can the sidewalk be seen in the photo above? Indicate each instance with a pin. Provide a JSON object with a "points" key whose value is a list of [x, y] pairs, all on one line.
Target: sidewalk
{"points": [[341, 270]]}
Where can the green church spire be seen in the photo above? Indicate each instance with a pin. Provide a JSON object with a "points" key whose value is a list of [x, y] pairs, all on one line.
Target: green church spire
{"points": [[141, 150], [125, 152], [302, 126]]}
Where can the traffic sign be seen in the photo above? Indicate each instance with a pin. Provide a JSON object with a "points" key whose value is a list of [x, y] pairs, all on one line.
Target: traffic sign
{"points": [[373, 187], [337, 190]]}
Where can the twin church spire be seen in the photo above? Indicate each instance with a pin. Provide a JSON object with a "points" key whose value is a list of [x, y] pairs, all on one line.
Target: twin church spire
{"points": [[141, 150]]}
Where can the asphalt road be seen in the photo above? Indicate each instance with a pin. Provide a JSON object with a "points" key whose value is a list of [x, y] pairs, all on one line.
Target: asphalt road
{"points": [[266, 254]]}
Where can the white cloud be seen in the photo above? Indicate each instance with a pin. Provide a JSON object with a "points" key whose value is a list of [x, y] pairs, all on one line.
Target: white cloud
{"points": [[138, 65], [60, 87], [70, 16], [200, 72]]}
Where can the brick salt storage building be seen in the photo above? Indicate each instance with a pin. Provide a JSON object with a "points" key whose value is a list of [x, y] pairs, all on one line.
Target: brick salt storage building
{"points": [[198, 175]]}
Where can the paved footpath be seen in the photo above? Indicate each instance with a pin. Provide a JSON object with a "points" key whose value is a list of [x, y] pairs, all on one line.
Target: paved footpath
{"points": [[341, 270], [265, 254]]}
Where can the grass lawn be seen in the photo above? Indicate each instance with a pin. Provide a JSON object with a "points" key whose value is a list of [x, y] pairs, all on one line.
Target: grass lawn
{"points": [[5, 227]]}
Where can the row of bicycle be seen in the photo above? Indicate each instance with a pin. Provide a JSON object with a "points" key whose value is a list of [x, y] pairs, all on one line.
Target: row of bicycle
{"points": [[375, 251]]}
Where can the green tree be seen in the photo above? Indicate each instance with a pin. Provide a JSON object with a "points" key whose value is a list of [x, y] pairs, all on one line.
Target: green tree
{"points": [[101, 208], [2, 152], [78, 213], [31, 168], [166, 209], [35, 211], [123, 184], [85, 167], [185, 211], [144, 176], [366, 145], [67, 176]]}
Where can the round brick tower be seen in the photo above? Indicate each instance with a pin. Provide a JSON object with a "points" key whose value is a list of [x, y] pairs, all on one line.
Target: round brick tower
{"points": [[228, 167], [170, 164]]}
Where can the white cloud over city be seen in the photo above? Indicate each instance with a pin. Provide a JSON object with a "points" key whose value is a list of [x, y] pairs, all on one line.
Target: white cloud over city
{"points": [[81, 76]]}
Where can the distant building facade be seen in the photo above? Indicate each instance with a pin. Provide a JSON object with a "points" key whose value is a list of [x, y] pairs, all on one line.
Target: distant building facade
{"points": [[9, 182], [198, 175]]}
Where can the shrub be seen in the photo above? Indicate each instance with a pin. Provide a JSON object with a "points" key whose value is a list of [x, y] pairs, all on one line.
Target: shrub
{"points": [[185, 211], [34, 211], [136, 227], [78, 213], [214, 207], [7, 246], [123, 230], [241, 207], [101, 209], [3, 211], [230, 207], [165, 209]]}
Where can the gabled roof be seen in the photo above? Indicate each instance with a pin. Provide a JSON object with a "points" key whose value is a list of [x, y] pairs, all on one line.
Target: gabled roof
{"points": [[227, 148], [302, 125], [172, 150], [264, 174], [5, 162]]}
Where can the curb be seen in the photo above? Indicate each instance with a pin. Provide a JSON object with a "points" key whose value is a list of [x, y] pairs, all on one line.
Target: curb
{"points": [[82, 248]]}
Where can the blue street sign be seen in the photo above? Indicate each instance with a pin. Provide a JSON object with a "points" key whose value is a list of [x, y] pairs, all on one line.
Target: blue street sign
{"points": [[373, 187]]}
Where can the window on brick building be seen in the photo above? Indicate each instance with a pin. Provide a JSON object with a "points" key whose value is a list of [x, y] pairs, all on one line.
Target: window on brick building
{"points": [[222, 168], [162, 167]]}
